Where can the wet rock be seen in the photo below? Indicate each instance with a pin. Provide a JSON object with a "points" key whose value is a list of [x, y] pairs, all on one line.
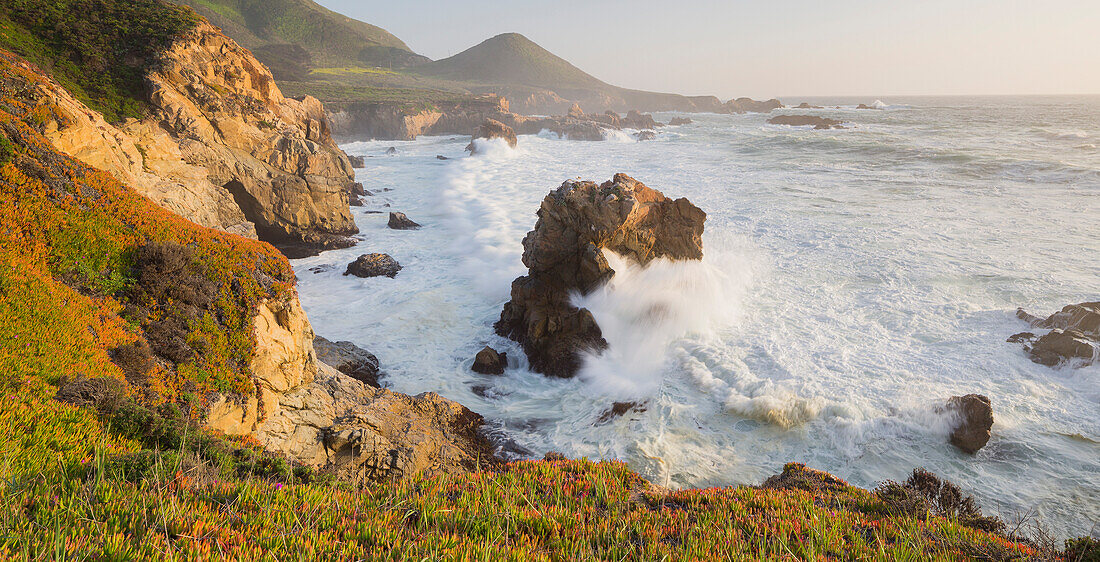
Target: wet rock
{"points": [[322, 268], [865, 106], [645, 135], [391, 151], [357, 162], [354, 201], [976, 415], [493, 129], [489, 362], [349, 359], [441, 157], [373, 265], [815, 121], [1074, 335], [398, 221], [618, 409], [357, 189], [805, 105], [636, 120], [564, 255], [680, 121]]}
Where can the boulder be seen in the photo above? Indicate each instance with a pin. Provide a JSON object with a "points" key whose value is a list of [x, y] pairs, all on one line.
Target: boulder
{"points": [[564, 255], [489, 362], [1074, 335], [680, 121], [373, 265], [357, 161], [976, 419], [493, 129], [398, 221], [349, 359], [441, 157], [805, 105], [645, 135], [816, 121]]}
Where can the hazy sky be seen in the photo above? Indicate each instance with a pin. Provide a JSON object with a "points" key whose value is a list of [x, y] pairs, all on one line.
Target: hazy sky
{"points": [[779, 47]]}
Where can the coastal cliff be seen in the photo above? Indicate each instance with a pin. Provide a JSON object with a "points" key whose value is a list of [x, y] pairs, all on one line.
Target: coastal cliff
{"points": [[219, 145]]}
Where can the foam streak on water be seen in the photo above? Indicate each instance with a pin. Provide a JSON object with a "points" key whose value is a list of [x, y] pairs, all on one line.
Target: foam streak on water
{"points": [[853, 280]]}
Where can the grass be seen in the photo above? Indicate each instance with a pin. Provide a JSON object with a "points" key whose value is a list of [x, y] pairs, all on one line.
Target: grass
{"points": [[97, 49], [348, 71]]}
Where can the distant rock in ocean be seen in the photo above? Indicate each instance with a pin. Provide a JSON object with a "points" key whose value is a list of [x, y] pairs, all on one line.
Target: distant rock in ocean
{"points": [[1074, 336], [816, 121], [493, 129], [976, 422], [398, 221], [490, 362], [373, 265]]}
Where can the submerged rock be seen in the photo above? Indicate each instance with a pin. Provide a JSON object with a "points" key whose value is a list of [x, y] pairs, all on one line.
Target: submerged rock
{"points": [[805, 105], [493, 129], [802, 120], [976, 414], [398, 221], [489, 362], [441, 157], [349, 359], [563, 255], [391, 151], [618, 409], [1074, 335], [645, 135], [373, 265]]}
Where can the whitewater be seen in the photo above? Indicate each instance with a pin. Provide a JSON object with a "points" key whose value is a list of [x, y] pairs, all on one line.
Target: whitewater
{"points": [[853, 280]]}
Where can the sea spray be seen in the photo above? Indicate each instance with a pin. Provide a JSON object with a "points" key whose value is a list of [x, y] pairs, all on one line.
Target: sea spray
{"points": [[641, 310]]}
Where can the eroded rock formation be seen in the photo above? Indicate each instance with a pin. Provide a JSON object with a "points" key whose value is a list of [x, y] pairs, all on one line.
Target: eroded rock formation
{"points": [[349, 359], [1074, 335], [489, 362], [564, 255]]}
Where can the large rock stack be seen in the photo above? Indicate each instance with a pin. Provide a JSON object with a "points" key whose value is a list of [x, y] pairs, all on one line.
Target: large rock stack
{"points": [[564, 255]]}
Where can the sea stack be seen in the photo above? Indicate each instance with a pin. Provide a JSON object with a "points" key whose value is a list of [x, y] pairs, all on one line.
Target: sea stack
{"points": [[564, 255]]}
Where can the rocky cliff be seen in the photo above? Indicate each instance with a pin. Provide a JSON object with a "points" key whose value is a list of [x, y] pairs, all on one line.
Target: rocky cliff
{"points": [[221, 146], [564, 255]]}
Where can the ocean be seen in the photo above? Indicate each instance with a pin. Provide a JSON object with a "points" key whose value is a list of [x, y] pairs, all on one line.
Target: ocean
{"points": [[853, 281]]}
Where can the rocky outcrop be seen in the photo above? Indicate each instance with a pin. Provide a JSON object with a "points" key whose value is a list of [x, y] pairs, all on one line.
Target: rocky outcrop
{"points": [[1074, 336], [815, 121], [564, 255], [363, 434], [677, 121], [283, 360], [274, 155], [139, 154], [645, 135], [398, 221], [975, 413], [489, 362], [374, 265], [493, 129], [743, 105], [349, 359]]}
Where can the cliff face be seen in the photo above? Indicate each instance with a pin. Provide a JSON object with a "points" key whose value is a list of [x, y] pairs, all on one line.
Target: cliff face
{"points": [[274, 155], [222, 147]]}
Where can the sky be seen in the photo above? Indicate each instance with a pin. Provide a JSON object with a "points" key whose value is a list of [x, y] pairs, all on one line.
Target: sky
{"points": [[779, 48]]}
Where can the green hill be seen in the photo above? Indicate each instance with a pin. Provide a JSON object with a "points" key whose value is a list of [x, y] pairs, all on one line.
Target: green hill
{"points": [[512, 59], [294, 36]]}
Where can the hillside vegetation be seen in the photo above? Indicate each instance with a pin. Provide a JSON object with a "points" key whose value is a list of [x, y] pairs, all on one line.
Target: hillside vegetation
{"points": [[511, 58], [294, 36], [96, 49]]}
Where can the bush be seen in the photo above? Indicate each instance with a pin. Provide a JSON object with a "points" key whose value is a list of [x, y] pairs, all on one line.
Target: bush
{"points": [[1082, 549], [925, 493]]}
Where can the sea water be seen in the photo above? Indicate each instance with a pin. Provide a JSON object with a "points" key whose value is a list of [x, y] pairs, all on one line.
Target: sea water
{"points": [[853, 281]]}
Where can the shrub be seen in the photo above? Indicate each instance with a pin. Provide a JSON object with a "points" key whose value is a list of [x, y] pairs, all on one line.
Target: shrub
{"points": [[925, 493]]}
